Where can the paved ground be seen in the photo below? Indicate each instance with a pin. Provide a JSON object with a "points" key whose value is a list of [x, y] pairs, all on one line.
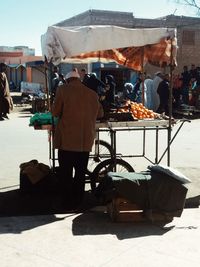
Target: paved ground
{"points": [[90, 238]]}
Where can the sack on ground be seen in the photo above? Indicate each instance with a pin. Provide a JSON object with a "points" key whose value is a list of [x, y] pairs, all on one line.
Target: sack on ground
{"points": [[37, 177]]}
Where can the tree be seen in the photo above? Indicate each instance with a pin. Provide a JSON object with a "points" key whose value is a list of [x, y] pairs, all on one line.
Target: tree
{"points": [[192, 3]]}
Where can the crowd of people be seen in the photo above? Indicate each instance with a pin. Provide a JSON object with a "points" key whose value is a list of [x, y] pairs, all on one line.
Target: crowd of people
{"points": [[186, 86], [106, 90], [154, 92]]}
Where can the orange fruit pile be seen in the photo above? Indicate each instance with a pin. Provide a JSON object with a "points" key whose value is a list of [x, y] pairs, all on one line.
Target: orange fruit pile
{"points": [[138, 110]]}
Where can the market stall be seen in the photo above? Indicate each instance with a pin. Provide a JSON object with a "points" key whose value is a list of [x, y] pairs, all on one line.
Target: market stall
{"points": [[132, 48]]}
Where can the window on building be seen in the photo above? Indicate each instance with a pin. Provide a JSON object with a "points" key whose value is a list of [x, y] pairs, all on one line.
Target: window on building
{"points": [[188, 38]]}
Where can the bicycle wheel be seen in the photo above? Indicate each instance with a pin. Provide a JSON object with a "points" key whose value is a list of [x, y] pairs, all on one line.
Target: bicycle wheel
{"points": [[109, 165], [101, 150]]}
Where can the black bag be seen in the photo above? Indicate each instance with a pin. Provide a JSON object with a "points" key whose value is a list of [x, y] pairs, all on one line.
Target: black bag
{"points": [[48, 184]]}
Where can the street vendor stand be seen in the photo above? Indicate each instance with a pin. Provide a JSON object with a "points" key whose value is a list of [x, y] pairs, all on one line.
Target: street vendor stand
{"points": [[132, 48]]}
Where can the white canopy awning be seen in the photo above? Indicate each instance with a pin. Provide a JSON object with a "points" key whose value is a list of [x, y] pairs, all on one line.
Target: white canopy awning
{"points": [[109, 43]]}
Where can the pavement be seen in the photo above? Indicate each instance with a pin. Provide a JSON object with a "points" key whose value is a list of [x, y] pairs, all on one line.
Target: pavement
{"points": [[90, 238]]}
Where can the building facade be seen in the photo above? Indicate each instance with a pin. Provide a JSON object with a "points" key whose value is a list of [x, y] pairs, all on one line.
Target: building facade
{"points": [[17, 58]]}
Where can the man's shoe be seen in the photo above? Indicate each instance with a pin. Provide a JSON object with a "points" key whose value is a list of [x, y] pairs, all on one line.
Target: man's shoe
{"points": [[1, 119], [5, 116]]}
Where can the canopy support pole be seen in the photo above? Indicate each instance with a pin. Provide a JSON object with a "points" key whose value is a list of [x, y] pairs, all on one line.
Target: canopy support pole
{"points": [[46, 84], [170, 102], [51, 146], [142, 70]]}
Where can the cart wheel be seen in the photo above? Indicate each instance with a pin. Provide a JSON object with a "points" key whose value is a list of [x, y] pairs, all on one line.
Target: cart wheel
{"points": [[104, 147], [109, 165], [104, 151]]}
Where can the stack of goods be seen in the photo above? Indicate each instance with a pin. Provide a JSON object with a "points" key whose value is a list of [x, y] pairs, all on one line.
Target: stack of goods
{"points": [[42, 119], [138, 110], [133, 111]]}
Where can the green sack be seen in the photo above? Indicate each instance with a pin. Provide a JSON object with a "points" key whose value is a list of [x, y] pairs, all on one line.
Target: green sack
{"points": [[39, 119]]}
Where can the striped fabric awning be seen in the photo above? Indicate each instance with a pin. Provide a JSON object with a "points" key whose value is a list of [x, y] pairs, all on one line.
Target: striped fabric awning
{"points": [[133, 57], [132, 48]]}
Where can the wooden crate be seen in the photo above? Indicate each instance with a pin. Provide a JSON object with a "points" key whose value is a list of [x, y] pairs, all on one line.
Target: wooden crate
{"points": [[122, 210]]}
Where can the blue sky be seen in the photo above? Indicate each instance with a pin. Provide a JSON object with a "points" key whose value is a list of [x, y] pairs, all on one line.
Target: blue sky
{"points": [[24, 21]]}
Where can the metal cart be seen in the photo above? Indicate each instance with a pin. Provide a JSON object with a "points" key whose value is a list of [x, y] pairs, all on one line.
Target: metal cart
{"points": [[116, 163]]}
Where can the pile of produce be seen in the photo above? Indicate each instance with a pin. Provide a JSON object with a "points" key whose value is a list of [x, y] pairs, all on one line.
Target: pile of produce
{"points": [[138, 110]]}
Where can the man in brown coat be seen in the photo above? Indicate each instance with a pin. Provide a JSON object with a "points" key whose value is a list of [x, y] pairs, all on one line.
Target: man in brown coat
{"points": [[77, 108]]}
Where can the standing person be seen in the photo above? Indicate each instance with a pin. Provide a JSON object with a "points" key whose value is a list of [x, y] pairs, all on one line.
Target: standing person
{"points": [[193, 72], [155, 97], [77, 108], [128, 93], [109, 100], [83, 75], [186, 77], [149, 86], [6, 103], [195, 86], [55, 81], [94, 83], [177, 85], [61, 79], [136, 88], [55, 72], [163, 92], [142, 92]]}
